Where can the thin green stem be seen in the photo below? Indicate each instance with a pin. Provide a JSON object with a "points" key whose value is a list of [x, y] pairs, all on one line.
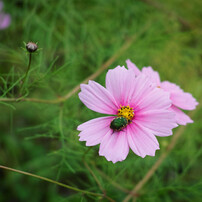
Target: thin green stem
{"points": [[26, 74], [94, 176], [52, 181], [61, 99], [112, 182], [61, 126], [92, 173], [62, 138]]}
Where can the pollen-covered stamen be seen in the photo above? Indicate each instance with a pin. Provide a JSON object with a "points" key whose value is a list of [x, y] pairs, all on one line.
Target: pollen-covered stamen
{"points": [[127, 112]]}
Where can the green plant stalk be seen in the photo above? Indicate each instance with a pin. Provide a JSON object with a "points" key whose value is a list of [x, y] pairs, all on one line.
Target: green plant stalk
{"points": [[91, 171], [26, 74], [52, 181], [105, 65]]}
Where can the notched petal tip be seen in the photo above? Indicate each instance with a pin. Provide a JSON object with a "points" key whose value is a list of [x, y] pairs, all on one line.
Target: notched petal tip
{"points": [[112, 159], [141, 141], [83, 86], [116, 69], [114, 147], [78, 128], [154, 153]]}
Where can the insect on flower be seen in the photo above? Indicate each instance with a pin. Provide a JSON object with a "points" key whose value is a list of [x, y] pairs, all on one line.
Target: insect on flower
{"points": [[119, 123], [137, 112], [125, 114]]}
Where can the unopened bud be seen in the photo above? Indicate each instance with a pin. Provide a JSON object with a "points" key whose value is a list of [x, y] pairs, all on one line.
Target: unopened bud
{"points": [[31, 47]]}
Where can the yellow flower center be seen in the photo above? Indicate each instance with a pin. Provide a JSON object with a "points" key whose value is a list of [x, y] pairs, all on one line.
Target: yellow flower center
{"points": [[126, 111]]}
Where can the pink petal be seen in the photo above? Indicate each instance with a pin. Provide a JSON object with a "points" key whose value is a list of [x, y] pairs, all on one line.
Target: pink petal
{"points": [[133, 67], [114, 146], [153, 75], [150, 97], [159, 122], [98, 122], [141, 88], [5, 20], [98, 98], [180, 116], [141, 141], [93, 131], [170, 87], [183, 100], [179, 97], [120, 82]]}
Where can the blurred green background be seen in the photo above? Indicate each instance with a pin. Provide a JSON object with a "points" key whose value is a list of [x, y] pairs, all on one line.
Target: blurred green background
{"points": [[76, 38]]}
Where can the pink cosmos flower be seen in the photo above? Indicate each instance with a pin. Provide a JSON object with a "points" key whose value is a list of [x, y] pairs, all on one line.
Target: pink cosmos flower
{"points": [[179, 98], [140, 110], [5, 19]]}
